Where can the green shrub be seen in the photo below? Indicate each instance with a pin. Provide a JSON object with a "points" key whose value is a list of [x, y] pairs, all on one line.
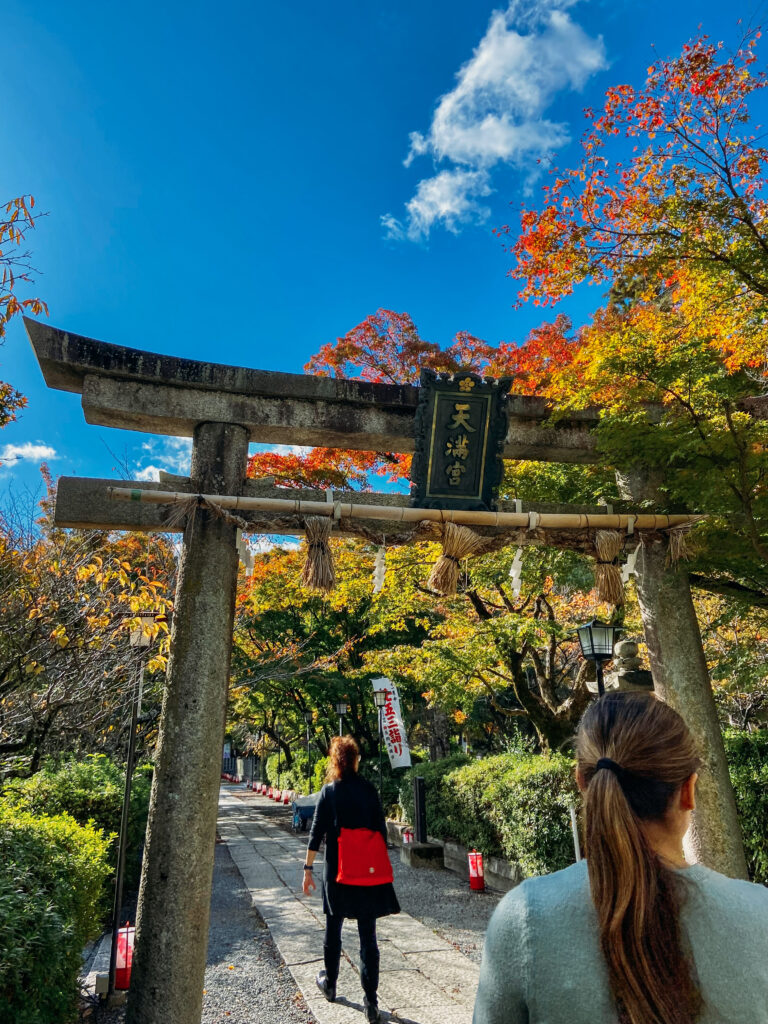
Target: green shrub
{"points": [[52, 874], [439, 808], [89, 790], [748, 765], [512, 805], [318, 773]]}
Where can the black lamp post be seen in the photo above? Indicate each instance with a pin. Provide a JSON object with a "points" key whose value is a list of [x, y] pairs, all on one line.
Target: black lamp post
{"points": [[277, 734], [308, 720], [597, 640], [141, 638], [341, 709], [380, 700]]}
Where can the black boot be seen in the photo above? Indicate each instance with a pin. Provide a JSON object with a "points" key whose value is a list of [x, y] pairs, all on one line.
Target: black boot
{"points": [[371, 1008], [328, 990]]}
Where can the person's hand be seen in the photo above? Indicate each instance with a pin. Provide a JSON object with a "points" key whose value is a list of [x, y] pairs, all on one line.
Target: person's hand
{"points": [[309, 883]]}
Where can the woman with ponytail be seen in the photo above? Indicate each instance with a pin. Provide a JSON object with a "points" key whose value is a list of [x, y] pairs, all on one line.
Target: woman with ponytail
{"points": [[634, 935]]}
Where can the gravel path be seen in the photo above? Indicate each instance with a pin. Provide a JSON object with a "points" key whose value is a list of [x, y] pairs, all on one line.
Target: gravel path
{"points": [[445, 903], [245, 978]]}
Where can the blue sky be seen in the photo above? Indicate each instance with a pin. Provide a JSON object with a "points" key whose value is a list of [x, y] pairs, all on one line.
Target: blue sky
{"points": [[246, 181]]}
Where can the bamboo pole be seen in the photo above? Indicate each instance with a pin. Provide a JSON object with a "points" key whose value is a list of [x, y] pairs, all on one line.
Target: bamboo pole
{"points": [[405, 514]]}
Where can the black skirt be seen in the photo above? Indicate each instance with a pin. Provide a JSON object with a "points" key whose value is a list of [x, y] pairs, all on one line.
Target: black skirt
{"points": [[359, 901]]}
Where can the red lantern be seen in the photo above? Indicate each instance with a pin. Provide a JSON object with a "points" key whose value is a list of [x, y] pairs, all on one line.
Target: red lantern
{"points": [[124, 958], [476, 875]]}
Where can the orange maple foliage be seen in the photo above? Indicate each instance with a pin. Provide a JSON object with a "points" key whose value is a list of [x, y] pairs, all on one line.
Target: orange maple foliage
{"points": [[334, 468], [16, 220], [387, 348], [669, 193]]}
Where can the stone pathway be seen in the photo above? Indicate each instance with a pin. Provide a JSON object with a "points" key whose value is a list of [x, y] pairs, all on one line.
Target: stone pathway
{"points": [[424, 980]]}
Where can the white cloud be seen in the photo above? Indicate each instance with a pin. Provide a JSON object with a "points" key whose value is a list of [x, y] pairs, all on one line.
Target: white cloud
{"points": [[449, 197], [283, 449], [27, 452], [495, 112], [171, 454], [148, 473], [268, 542]]}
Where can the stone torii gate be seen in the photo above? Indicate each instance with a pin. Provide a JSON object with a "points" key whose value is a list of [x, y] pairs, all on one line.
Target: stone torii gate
{"points": [[223, 408]]}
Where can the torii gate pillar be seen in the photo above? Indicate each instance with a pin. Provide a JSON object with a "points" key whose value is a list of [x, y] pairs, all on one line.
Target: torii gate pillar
{"points": [[681, 679], [175, 893]]}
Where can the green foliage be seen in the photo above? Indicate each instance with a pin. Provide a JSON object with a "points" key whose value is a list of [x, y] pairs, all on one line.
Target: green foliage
{"points": [[52, 874], [748, 765], [293, 777], [91, 790], [513, 805], [390, 788], [318, 773], [439, 806]]}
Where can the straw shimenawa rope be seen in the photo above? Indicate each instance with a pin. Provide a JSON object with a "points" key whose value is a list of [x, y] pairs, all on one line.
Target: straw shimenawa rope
{"points": [[678, 541], [318, 572], [458, 542], [608, 545]]}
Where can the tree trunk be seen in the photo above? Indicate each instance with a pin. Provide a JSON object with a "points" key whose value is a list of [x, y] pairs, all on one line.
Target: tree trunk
{"points": [[681, 680], [175, 893], [439, 734]]}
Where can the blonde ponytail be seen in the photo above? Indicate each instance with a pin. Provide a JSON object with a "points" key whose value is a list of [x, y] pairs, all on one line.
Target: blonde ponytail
{"points": [[634, 753]]}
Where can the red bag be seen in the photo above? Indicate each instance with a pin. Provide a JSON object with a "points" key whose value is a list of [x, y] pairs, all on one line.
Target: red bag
{"points": [[363, 858]]}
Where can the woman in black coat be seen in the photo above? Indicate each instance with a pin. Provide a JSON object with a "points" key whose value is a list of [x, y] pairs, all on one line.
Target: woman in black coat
{"points": [[348, 801]]}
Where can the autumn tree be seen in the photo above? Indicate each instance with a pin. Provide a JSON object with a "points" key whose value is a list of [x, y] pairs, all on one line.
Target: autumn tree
{"points": [[689, 193], [297, 650], [666, 207], [16, 270], [506, 650], [67, 672]]}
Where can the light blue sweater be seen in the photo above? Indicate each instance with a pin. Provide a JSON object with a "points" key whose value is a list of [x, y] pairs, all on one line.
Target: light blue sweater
{"points": [[542, 962]]}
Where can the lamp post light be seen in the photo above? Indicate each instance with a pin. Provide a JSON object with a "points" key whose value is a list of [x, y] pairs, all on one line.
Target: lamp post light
{"points": [[140, 637], [597, 640], [308, 719], [341, 709], [380, 700], [258, 757]]}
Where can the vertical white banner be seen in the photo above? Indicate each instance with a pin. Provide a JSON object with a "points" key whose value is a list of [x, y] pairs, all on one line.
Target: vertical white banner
{"points": [[392, 725]]}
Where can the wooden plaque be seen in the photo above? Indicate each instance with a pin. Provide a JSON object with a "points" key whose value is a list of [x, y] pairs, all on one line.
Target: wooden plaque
{"points": [[460, 429]]}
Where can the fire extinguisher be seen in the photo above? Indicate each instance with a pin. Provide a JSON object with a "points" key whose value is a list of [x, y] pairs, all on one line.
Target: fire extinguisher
{"points": [[476, 875]]}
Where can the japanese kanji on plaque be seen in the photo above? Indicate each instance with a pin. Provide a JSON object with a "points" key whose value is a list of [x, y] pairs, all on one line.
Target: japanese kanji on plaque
{"points": [[461, 425]]}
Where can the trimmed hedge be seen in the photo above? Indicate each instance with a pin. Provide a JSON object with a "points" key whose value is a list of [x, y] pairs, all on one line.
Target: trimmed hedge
{"points": [[52, 874], [516, 805], [511, 805], [90, 790], [748, 765]]}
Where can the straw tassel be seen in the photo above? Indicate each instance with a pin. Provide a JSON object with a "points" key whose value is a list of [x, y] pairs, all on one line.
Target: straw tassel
{"points": [[678, 547], [608, 545], [318, 572], [458, 542]]}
